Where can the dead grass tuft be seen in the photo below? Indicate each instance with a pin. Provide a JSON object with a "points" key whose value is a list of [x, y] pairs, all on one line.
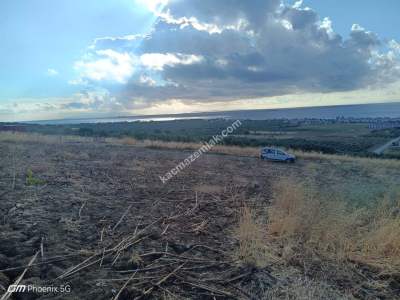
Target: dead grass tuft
{"points": [[381, 244], [124, 141], [326, 226], [251, 236], [305, 289]]}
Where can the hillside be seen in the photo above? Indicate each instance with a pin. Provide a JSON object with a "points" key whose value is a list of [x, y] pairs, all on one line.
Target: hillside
{"points": [[95, 216]]}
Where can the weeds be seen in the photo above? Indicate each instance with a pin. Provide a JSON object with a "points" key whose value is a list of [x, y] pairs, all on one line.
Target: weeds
{"points": [[135, 259], [31, 180]]}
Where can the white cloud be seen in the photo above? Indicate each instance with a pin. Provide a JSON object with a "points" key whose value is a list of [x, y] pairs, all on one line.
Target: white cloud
{"points": [[357, 27], [106, 41], [52, 72], [192, 21], [395, 46], [286, 24], [108, 65], [157, 61], [326, 25], [147, 80], [298, 4]]}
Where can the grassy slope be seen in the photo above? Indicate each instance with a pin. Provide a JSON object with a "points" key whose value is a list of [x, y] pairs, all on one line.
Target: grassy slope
{"points": [[339, 138], [344, 209], [361, 180]]}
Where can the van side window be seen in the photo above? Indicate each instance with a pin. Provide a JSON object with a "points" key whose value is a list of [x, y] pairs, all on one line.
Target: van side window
{"points": [[279, 152]]}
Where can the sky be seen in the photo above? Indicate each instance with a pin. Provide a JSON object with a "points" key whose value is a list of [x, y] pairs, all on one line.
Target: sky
{"points": [[98, 58]]}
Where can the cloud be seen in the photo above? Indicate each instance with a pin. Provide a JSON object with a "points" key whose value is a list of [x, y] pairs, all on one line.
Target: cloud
{"points": [[105, 65], [207, 51], [117, 43], [224, 12], [157, 61], [92, 102], [394, 46], [52, 72], [363, 39], [147, 80], [298, 4], [98, 100]]}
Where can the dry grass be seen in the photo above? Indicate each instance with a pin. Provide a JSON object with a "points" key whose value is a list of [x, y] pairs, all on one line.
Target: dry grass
{"points": [[305, 289], [251, 236], [364, 161], [370, 163], [381, 244], [17, 137], [325, 226], [152, 143], [300, 217], [232, 150]]}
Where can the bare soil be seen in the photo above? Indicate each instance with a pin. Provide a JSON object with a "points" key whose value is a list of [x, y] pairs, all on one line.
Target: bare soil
{"points": [[99, 217]]}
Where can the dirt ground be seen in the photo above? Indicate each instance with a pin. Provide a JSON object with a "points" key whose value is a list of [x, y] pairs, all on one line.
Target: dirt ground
{"points": [[100, 221]]}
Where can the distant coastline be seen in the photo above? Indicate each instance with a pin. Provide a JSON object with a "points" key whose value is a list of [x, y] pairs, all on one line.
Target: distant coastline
{"points": [[378, 110]]}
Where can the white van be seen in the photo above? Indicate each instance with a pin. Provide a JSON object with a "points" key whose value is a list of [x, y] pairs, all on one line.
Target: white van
{"points": [[277, 155]]}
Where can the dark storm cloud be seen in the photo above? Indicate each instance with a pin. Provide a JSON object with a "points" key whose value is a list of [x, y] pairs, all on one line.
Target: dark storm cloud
{"points": [[363, 39], [300, 18], [248, 49]]}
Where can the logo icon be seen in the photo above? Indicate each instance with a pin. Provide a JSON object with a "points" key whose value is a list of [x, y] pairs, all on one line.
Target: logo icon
{"points": [[16, 288]]}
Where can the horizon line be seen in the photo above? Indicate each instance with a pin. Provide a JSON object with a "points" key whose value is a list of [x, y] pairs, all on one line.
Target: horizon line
{"points": [[200, 112]]}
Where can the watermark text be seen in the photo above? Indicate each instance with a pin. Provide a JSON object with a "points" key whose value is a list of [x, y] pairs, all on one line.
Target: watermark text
{"points": [[207, 146]]}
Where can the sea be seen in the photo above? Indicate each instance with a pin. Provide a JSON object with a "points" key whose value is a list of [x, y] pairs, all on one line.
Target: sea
{"points": [[359, 111]]}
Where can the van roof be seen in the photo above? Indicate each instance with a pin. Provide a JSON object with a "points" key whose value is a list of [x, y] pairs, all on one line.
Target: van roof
{"points": [[272, 148]]}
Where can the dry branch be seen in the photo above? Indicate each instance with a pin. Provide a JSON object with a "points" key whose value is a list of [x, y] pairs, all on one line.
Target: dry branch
{"points": [[7, 295], [124, 286], [122, 217]]}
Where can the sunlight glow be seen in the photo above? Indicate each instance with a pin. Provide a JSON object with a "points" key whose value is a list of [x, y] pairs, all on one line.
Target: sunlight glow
{"points": [[155, 6]]}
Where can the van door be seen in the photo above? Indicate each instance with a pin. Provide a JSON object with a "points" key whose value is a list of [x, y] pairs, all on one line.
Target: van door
{"points": [[280, 155], [271, 154]]}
